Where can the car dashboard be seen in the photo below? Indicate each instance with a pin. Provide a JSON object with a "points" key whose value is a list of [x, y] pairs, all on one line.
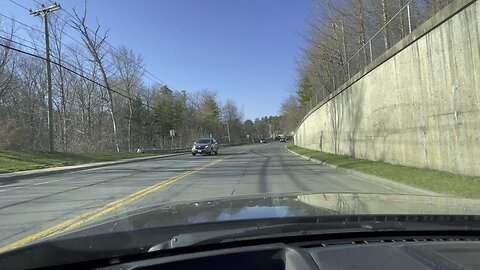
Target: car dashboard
{"points": [[419, 252]]}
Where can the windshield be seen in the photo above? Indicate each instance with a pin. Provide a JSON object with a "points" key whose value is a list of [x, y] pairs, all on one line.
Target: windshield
{"points": [[217, 111]]}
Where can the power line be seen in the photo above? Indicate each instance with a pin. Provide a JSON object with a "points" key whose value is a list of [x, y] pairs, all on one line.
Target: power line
{"points": [[57, 57], [41, 3], [20, 5], [67, 46], [60, 65], [74, 72], [151, 76], [117, 51], [74, 39], [35, 29], [18, 43], [33, 47], [111, 47], [17, 21], [107, 60], [17, 37], [30, 42]]}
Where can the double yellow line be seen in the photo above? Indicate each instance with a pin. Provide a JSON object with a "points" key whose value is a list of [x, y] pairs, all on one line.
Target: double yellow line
{"points": [[87, 217]]}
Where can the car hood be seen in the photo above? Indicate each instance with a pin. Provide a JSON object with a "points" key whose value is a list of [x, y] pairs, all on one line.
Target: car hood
{"points": [[139, 230], [201, 144], [282, 206]]}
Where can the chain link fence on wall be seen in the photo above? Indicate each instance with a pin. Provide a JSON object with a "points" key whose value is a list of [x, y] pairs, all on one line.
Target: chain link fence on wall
{"points": [[407, 19]]}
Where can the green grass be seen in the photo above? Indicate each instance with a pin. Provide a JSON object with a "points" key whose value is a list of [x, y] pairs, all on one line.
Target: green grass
{"points": [[434, 180], [13, 161]]}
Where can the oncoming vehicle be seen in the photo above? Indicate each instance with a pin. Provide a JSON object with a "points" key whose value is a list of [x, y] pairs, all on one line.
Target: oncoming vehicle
{"points": [[205, 146], [263, 141], [283, 140]]}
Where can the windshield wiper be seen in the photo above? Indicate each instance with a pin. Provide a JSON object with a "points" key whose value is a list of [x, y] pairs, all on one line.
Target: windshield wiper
{"points": [[291, 229], [309, 228], [188, 239]]}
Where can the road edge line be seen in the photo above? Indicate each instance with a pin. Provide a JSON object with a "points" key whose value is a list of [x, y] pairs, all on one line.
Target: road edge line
{"points": [[371, 178], [87, 166]]}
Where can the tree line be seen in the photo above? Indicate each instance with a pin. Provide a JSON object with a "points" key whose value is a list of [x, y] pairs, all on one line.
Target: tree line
{"points": [[101, 100], [338, 32]]}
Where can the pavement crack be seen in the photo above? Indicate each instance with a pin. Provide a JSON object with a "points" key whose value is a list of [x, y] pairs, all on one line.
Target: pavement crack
{"points": [[73, 189], [242, 176], [291, 176], [256, 153]]}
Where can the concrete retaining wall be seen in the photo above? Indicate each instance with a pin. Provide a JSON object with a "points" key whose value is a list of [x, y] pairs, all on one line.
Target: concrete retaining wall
{"points": [[417, 105]]}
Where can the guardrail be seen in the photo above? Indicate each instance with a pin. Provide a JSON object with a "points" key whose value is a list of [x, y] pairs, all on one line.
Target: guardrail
{"points": [[164, 151]]}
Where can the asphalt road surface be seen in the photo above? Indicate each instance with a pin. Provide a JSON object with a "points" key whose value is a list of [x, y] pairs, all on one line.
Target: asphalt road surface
{"points": [[35, 208]]}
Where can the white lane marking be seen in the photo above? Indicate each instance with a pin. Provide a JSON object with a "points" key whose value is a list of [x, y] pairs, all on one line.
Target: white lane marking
{"points": [[3, 190], [11, 185], [65, 179], [28, 185], [42, 183]]}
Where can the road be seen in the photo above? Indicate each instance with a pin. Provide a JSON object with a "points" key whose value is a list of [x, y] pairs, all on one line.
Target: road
{"points": [[34, 208]]}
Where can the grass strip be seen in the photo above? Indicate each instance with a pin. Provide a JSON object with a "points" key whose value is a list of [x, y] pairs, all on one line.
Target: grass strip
{"points": [[13, 161], [434, 180]]}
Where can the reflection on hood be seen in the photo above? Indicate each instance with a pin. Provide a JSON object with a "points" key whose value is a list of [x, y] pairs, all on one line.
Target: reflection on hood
{"points": [[142, 229], [299, 205]]}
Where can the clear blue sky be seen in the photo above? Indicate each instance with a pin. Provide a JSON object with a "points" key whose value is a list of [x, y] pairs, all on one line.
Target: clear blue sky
{"points": [[245, 50]]}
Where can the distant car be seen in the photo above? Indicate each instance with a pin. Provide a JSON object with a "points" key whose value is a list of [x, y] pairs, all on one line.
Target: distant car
{"points": [[283, 140], [263, 141], [205, 146]]}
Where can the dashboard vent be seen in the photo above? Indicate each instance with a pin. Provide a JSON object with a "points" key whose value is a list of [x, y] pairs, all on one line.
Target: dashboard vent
{"points": [[396, 240]]}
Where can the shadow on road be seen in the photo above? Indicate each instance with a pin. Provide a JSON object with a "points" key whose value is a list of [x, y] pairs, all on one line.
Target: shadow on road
{"points": [[262, 184]]}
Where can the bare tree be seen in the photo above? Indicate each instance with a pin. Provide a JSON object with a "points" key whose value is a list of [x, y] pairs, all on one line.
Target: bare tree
{"points": [[232, 118], [84, 93], [7, 61], [337, 40], [130, 68], [57, 32], [95, 42], [291, 114]]}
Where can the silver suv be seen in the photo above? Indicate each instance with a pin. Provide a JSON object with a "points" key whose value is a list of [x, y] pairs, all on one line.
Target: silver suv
{"points": [[206, 146]]}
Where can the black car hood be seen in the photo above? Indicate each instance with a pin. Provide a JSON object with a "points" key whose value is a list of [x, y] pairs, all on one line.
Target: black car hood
{"points": [[139, 230], [254, 207]]}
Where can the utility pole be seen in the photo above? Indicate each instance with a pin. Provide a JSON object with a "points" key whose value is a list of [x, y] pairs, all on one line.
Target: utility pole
{"points": [[44, 12]]}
